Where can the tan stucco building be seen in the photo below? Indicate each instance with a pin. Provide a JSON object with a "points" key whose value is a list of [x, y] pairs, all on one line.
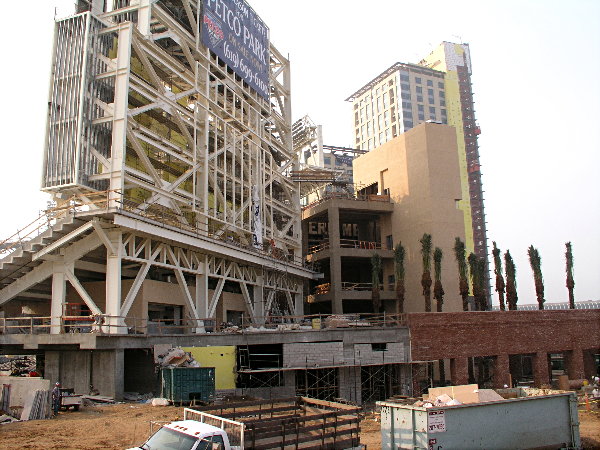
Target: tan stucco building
{"points": [[419, 170]]}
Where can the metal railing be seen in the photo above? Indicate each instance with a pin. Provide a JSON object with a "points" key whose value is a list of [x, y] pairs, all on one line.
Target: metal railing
{"points": [[348, 196], [107, 325]]}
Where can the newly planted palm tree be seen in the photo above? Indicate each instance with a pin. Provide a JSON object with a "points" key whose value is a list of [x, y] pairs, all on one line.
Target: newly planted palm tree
{"points": [[511, 281], [426, 277], [477, 269], [375, 271], [438, 290], [536, 266], [500, 285], [399, 254], [570, 279], [460, 255]]}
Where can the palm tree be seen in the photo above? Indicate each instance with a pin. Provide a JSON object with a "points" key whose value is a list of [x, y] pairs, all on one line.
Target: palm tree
{"points": [[438, 290], [477, 269], [570, 280], [426, 277], [536, 266], [511, 281], [500, 286], [375, 271], [460, 255], [399, 253]]}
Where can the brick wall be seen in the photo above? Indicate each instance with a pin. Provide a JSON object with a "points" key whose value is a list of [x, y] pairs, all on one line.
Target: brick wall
{"points": [[451, 335]]}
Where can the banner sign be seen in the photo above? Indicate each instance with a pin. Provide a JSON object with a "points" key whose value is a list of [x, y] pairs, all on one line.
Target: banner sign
{"points": [[343, 160], [232, 30]]}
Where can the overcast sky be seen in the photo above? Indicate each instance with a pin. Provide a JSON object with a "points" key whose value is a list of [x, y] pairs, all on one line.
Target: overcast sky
{"points": [[536, 80]]}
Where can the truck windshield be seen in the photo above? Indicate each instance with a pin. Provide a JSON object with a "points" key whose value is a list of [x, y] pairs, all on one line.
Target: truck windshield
{"points": [[167, 439]]}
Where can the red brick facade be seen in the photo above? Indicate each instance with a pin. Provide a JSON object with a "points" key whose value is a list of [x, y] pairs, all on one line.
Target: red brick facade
{"points": [[458, 336]]}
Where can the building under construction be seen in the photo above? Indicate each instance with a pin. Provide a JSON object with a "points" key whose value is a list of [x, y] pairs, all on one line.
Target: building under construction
{"points": [[176, 222]]}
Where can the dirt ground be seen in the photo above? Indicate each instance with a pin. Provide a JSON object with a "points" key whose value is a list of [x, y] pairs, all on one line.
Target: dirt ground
{"points": [[125, 425]]}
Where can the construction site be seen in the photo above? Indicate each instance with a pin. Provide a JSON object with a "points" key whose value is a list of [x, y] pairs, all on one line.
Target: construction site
{"points": [[190, 213]]}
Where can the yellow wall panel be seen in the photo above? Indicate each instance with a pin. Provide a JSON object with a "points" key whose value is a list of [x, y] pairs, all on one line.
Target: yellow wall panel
{"points": [[222, 358]]}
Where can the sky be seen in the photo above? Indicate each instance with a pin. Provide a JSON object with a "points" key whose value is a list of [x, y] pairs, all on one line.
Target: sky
{"points": [[536, 84]]}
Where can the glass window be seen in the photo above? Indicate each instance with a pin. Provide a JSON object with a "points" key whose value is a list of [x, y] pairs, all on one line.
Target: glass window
{"points": [[327, 160], [441, 84], [420, 108], [421, 115], [379, 109], [430, 92], [386, 101], [419, 90], [408, 124], [432, 110], [442, 102], [429, 83], [406, 105], [386, 117], [417, 80], [442, 94], [408, 114], [405, 95], [405, 87], [404, 77], [419, 98], [431, 100], [389, 242]]}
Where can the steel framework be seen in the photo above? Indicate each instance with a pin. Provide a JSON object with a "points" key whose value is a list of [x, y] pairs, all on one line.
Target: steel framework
{"points": [[191, 163]]}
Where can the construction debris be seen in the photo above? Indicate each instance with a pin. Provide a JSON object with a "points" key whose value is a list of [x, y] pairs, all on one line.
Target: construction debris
{"points": [[7, 419], [97, 399], [37, 406], [176, 357]]}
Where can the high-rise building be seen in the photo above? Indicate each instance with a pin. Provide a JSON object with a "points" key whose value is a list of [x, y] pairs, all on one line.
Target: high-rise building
{"points": [[437, 89]]}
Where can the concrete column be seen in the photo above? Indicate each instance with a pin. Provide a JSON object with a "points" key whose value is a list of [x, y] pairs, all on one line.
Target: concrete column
{"points": [[335, 263], [201, 299], [52, 367], [258, 294], [350, 384], [59, 290], [299, 303], [108, 372], [541, 372], [502, 371], [589, 364], [574, 364], [113, 286], [459, 371]]}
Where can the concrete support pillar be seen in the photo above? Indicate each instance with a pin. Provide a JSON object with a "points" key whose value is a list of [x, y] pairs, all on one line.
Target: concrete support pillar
{"points": [[589, 364], [502, 371], [116, 323], [108, 372], [574, 364], [350, 384], [201, 300], [59, 290], [258, 295], [459, 371], [335, 265], [52, 367], [541, 371]]}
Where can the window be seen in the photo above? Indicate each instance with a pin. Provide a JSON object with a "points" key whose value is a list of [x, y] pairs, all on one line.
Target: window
{"points": [[404, 77], [391, 282], [379, 346], [432, 110], [419, 98], [419, 90], [421, 108], [430, 92], [421, 115], [327, 160], [408, 124], [442, 94], [407, 105], [405, 87], [431, 100], [408, 114], [429, 83], [405, 95], [442, 102], [389, 242], [418, 80], [394, 132]]}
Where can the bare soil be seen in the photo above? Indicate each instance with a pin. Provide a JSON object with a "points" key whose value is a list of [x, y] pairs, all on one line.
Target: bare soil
{"points": [[126, 425]]}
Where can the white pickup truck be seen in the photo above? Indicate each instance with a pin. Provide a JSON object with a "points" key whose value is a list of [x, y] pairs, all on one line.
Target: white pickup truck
{"points": [[196, 434]]}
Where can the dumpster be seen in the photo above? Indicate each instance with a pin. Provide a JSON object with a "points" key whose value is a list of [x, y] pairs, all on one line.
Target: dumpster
{"points": [[517, 423], [188, 384]]}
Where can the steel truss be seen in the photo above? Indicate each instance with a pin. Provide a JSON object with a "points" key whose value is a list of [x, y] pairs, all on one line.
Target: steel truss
{"points": [[140, 109]]}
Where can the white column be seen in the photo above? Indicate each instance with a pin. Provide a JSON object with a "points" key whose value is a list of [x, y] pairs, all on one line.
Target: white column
{"points": [[113, 286], [258, 295], [59, 290]]}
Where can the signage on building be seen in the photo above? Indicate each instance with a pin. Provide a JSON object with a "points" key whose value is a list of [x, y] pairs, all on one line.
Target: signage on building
{"points": [[343, 160], [232, 30], [322, 229]]}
